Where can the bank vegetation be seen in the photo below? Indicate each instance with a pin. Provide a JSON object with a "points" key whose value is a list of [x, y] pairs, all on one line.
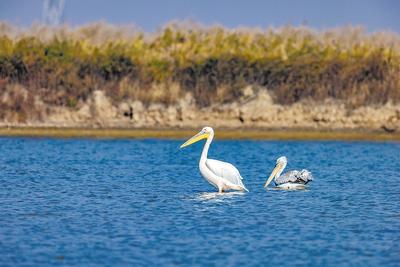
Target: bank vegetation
{"points": [[62, 66]]}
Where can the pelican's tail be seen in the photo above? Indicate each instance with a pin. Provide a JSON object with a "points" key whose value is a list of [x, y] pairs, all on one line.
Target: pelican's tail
{"points": [[238, 187], [245, 189], [306, 176], [241, 187]]}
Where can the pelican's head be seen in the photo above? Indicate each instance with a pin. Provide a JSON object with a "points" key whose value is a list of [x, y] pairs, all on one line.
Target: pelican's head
{"points": [[281, 160], [203, 134], [279, 166]]}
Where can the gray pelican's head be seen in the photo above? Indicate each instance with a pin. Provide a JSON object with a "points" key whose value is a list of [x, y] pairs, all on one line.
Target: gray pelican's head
{"points": [[203, 134], [279, 166]]}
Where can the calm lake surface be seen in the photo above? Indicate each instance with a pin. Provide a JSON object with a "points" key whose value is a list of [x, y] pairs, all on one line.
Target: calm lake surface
{"points": [[144, 203]]}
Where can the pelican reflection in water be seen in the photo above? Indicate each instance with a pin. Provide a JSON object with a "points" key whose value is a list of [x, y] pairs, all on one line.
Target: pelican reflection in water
{"points": [[218, 197], [224, 176], [289, 180]]}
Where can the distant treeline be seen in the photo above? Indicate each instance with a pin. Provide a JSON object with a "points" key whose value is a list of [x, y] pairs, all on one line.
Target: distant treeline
{"points": [[64, 65]]}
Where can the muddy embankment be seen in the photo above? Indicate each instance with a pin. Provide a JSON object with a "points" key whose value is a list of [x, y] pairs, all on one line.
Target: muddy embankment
{"points": [[252, 110]]}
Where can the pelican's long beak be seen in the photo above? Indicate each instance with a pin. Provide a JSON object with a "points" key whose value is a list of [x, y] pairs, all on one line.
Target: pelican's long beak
{"points": [[201, 135], [273, 173]]}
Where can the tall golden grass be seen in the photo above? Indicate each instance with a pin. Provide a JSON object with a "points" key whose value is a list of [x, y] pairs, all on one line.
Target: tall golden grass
{"points": [[63, 65]]}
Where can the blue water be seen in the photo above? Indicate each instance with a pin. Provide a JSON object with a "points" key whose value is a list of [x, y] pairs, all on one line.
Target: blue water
{"points": [[144, 203]]}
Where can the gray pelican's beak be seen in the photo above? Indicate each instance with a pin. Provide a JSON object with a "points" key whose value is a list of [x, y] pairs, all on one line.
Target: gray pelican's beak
{"points": [[273, 173]]}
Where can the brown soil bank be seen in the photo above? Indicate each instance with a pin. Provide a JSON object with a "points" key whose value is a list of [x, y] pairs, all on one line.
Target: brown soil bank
{"points": [[250, 112]]}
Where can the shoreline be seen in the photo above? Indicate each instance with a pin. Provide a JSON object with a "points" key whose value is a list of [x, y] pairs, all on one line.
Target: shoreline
{"points": [[222, 133]]}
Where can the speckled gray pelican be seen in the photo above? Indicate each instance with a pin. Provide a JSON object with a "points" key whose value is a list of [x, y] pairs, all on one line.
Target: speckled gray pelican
{"points": [[289, 180]]}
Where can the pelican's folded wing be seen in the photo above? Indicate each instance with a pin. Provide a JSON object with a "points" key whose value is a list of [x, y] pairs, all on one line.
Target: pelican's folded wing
{"points": [[225, 170], [288, 177]]}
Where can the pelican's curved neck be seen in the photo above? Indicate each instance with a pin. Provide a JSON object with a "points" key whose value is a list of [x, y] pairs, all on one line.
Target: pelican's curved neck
{"points": [[204, 154]]}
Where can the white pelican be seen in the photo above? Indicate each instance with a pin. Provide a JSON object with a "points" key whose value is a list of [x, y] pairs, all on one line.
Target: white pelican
{"points": [[289, 180], [224, 176]]}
